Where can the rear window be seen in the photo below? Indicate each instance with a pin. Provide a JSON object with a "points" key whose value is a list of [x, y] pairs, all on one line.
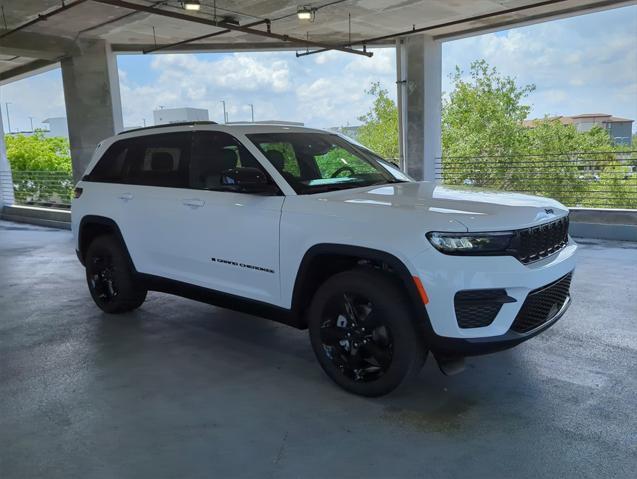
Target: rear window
{"points": [[152, 160]]}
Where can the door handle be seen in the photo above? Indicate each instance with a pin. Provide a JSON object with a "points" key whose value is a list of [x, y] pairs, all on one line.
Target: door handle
{"points": [[126, 196], [193, 202]]}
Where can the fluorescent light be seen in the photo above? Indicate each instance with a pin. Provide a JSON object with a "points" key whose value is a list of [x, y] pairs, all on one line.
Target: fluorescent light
{"points": [[305, 13], [193, 5]]}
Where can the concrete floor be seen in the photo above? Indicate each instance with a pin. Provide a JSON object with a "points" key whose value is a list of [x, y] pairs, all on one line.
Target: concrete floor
{"points": [[182, 389]]}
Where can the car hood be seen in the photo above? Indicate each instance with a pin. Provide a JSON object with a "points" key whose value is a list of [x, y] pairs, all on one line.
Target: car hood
{"points": [[477, 209]]}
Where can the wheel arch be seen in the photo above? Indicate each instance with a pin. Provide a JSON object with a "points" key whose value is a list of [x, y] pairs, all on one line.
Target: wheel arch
{"points": [[92, 226], [317, 266]]}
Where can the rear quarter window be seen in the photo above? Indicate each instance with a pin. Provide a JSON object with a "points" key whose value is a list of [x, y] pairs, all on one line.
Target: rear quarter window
{"points": [[111, 164]]}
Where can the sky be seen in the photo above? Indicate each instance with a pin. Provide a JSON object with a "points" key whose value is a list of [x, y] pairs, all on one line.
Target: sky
{"points": [[583, 64]]}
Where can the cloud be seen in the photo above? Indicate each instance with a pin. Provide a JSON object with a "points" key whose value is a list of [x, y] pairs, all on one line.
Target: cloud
{"points": [[40, 96], [324, 91], [581, 64]]}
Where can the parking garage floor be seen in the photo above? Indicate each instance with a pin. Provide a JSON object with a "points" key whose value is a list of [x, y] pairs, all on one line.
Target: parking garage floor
{"points": [[182, 389]]}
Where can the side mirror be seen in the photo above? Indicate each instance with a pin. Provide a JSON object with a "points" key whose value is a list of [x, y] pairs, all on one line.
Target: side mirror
{"points": [[246, 180]]}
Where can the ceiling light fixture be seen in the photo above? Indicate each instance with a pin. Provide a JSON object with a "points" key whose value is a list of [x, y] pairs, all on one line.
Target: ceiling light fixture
{"points": [[306, 13], [194, 5]]}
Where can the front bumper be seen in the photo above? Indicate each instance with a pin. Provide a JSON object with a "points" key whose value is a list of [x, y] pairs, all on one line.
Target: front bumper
{"points": [[457, 347], [443, 276]]}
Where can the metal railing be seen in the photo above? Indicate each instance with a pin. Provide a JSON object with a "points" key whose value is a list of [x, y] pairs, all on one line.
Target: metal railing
{"points": [[578, 179], [584, 179], [48, 189]]}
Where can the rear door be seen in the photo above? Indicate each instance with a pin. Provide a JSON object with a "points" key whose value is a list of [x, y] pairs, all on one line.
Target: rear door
{"points": [[155, 176]]}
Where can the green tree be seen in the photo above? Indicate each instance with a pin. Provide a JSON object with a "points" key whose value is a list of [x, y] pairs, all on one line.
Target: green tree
{"points": [[483, 114], [38, 153], [482, 127], [485, 142], [561, 162], [379, 131], [41, 169]]}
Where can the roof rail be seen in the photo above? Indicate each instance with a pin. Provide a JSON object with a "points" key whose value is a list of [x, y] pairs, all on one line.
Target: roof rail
{"points": [[168, 125]]}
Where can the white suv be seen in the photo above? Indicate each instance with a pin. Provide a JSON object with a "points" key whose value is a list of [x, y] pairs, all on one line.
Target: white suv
{"points": [[307, 228]]}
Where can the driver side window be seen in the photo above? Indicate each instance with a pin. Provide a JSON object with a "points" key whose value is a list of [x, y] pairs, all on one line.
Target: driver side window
{"points": [[213, 153]]}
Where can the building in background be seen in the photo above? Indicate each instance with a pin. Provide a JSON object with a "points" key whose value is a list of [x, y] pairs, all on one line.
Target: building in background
{"points": [[58, 126], [619, 129], [164, 116]]}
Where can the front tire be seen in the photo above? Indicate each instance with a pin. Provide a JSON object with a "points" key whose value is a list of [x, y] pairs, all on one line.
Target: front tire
{"points": [[362, 332], [110, 277]]}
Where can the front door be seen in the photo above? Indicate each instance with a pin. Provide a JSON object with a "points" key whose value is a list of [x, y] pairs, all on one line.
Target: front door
{"points": [[230, 240]]}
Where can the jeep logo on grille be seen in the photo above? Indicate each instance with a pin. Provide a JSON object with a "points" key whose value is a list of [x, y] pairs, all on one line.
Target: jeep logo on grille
{"points": [[549, 211]]}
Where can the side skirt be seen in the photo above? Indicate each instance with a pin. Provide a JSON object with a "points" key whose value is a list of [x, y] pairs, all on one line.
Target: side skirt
{"points": [[221, 299]]}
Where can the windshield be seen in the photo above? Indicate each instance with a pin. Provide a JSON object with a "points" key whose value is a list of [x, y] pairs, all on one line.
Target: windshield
{"points": [[319, 162]]}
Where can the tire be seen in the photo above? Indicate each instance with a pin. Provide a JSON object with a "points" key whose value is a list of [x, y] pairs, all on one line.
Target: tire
{"points": [[110, 278], [368, 361]]}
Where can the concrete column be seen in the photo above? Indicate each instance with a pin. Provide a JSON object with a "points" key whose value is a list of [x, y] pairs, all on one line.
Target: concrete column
{"points": [[420, 102], [93, 103], [6, 181]]}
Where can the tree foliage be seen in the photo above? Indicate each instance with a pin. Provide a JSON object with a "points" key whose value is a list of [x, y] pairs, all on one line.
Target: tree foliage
{"points": [[379, 131], [483, 114], [486, 143], [41, 169], [38, 153]]}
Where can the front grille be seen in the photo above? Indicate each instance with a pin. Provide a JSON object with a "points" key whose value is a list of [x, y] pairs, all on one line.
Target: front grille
{"points": [[532, 244], [542, 304], [478, 308]]}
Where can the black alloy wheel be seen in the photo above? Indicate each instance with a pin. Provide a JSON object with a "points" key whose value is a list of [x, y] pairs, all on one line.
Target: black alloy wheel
{"points": [[363, 332], [355, 339]]}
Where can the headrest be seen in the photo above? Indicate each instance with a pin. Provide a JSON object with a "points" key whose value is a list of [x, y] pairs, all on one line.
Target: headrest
{"points": [[161, 161], [276, 158], [227, 159]]}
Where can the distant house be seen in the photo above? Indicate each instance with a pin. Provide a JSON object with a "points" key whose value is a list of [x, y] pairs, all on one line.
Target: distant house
{"points": [[619, 129]]}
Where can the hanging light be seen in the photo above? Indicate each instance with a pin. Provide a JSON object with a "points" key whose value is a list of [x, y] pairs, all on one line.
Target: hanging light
{"points": [[193, 5], [306, 13]]}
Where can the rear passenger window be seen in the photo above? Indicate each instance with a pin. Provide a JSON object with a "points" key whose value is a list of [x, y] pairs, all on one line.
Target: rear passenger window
{"points": [[158, 160], [152, 160], [109, 168]]}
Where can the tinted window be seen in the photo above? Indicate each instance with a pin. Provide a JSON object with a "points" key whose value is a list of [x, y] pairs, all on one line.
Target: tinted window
{"points": [[109, 168], [158, 160], [153, 160], [213, 153]]}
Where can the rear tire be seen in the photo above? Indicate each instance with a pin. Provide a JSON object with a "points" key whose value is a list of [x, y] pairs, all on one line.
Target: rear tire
{"points": [[362, 332], [109, 275]]}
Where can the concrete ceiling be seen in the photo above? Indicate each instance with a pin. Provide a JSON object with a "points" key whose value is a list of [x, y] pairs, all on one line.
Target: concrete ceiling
{"points": [[45, 42]]}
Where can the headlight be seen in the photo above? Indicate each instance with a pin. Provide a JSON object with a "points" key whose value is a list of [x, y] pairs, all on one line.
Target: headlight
{"points": [[471, 244]]}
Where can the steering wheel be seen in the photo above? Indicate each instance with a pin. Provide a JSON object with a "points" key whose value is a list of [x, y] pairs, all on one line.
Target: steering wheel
{"points": [[341, 170]]}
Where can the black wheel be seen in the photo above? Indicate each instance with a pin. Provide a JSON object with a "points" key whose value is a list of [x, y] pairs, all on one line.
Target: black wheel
{"points": [[109, 277], [362, 332]]}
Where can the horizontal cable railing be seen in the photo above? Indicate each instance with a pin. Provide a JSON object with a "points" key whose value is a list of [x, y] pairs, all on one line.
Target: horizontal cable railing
{"points": [[48, 189], [578, 179], [585, 179]]}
